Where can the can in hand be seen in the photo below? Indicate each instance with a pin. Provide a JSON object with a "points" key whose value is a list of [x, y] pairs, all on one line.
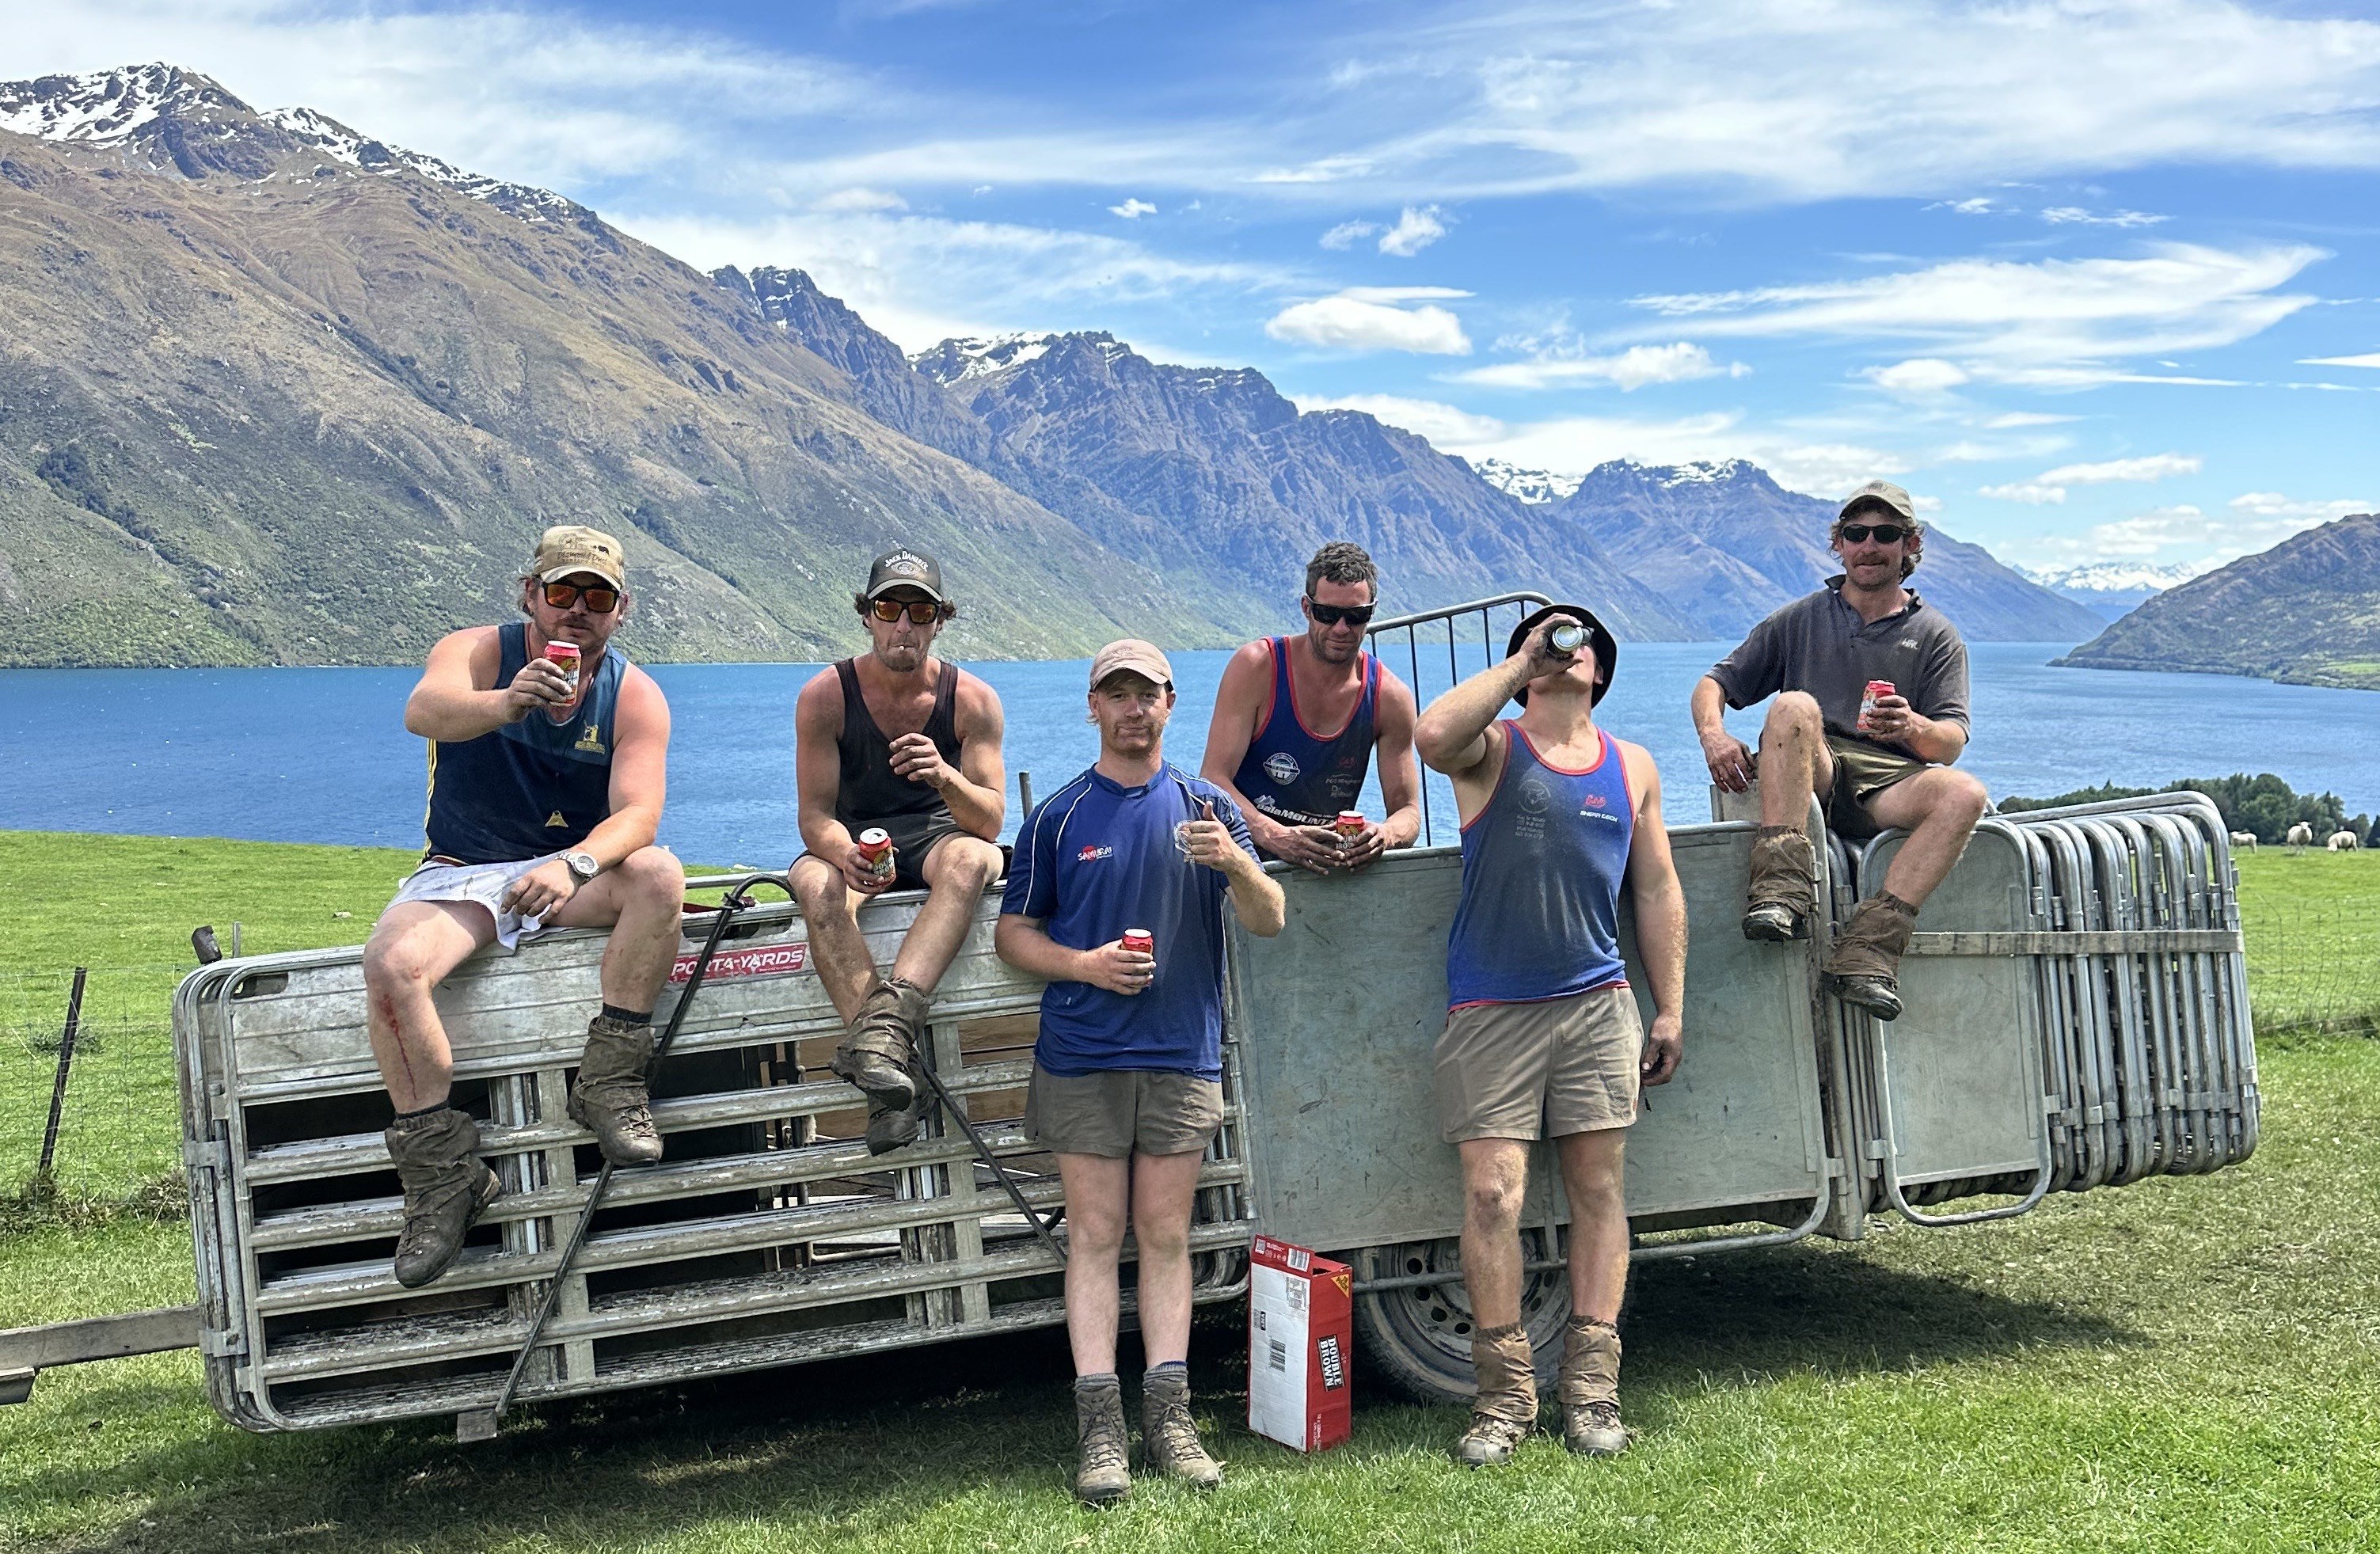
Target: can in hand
{"points": [[1140, 941], [564, 657], [1567, 637], [1876, 691], [1349, 825], [875, 850]]}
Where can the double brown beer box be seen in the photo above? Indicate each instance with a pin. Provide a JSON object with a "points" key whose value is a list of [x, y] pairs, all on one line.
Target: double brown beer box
{"points": [[1300, 1330]]}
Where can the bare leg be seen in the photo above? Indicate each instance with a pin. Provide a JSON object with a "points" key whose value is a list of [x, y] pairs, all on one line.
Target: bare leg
{"points": [[1097, 1190], [957, 873], [1495, 1180], [641, 902], [1591, 1168], [1794, 762], [415, 946], [830, 911], [1938, 807], [1164, 1189]]}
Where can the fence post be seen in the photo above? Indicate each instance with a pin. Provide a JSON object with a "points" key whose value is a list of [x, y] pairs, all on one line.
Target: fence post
{"points": [[58, 1090]]}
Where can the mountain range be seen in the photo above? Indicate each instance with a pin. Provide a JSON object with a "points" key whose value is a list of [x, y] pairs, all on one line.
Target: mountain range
{"points": [[276, 391], [2112, 590]]}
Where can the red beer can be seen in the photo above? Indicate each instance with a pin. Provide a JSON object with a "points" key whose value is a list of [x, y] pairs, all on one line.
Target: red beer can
{"points": [[564, 657], [1349, 825], [1877, 690], [1140, 941], [875, 850]]}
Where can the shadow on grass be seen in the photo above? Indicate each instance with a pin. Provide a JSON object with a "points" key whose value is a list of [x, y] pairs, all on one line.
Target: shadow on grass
{"points": [[860, 1447]]}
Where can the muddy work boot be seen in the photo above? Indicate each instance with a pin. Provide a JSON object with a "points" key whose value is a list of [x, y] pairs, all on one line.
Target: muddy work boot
{"points": [[1590, 1389], [1864, 967], [1102, 1467], [1782, 891], [609, 1099], [446, 1187], [1505, 1411], [881, 1044], [889, 1129], [1168, 1437]]}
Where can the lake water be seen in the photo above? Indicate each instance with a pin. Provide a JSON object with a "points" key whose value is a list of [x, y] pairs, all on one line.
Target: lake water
{"points": [[321, 754]]}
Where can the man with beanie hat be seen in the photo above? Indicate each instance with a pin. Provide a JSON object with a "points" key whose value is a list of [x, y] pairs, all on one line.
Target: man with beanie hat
{"points": [[1876, 763]]}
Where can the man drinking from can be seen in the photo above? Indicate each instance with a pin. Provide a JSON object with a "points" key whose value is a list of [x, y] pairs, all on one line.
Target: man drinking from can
{"points": [[901, 743], [1126, 1088], [544, 796]]}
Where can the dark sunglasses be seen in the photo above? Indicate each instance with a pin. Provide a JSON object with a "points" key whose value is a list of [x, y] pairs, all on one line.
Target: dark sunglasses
{"points": [[1886, 534], [601, 599], [1360, 616], [922, 611]]}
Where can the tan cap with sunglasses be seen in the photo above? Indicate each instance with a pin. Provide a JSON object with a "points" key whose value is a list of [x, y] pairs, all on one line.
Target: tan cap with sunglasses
{"points": [[1880, 491], [568, 548]]}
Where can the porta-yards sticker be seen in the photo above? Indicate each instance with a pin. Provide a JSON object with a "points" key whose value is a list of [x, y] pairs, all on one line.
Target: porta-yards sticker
{"points": [[761, 960]]}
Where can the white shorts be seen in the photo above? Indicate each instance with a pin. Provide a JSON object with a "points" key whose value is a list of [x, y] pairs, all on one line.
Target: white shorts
{"points": [[483, 883]]}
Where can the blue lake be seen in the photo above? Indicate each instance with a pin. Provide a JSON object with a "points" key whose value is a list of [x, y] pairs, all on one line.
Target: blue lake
{"points": [[321, 754]]}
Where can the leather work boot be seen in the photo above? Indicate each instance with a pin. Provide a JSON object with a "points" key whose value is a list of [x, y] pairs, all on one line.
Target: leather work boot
{"points": [[1865, 965], [881, 1043], [609, 1099], [1168, 1437], [889, 1129], [1783, 890], [1102, 1470], [1505, 1411], [446, 1187], [1590, 1389]]}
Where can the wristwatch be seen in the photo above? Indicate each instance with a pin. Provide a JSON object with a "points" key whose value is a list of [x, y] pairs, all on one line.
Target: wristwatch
{"points": [[582, 865]]}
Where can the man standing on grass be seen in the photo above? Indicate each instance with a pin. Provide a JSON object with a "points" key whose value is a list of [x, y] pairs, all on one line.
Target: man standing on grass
{"points": [[900, 740], [1126, 1088], [1542, 1035], [545, 788], [1889, 766], [1262, 745]]}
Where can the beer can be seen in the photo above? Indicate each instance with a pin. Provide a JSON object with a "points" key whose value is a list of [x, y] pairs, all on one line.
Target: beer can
{"points": [[1567, 637], [1350, 824], [1140, 941], [1877, 690], [564, 657], [875, 849]]}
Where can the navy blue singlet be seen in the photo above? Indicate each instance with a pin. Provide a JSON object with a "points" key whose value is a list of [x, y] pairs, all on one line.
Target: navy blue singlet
{"points": [[1542, 864], [1294, 775], [531, 787]]}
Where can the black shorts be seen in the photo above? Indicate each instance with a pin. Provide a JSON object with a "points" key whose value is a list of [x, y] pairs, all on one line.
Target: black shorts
{"points": [[914, 837]]}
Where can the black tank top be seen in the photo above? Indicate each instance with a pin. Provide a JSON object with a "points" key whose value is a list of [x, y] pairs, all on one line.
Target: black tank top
{"points": [[872, 792]]}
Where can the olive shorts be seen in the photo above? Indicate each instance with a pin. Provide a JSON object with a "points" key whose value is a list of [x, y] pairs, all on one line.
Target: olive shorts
{"points": [[1122, 1112], [1548, 1069], [1862, 772]]}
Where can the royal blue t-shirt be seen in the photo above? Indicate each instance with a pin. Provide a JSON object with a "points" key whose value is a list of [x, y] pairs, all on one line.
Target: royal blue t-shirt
{"points": [[1095, 859]]}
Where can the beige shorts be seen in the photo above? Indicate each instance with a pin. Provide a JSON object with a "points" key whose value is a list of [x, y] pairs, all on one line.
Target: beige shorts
{"points": [[1123, 1112], [1545, 1069], [1862, 772]]}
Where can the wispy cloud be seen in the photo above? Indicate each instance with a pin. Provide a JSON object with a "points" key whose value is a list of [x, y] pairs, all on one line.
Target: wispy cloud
{"points": [[2029, 491], [1133, 210], [1417, 228], [1919, 378], [1445, 425], [2370, 358], [2050, 486], [1347, 234], [2251, 522], [1375, 319], [1564, 362], [2075, 215]]}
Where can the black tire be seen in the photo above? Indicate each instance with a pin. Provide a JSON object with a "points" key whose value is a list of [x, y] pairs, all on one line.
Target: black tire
{"points": [[1418, 1339]]}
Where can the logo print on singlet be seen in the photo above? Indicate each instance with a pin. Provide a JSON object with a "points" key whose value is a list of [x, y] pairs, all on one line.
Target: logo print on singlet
{"points": [[1533, 798], [555, 820], [1283, 768], [591, 740]]}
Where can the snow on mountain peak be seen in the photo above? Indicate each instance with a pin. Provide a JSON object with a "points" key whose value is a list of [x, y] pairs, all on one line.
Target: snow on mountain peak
{"points": [[980, 356], [2118, 576], [1705, 472], [1535, 487], [332, 138]]}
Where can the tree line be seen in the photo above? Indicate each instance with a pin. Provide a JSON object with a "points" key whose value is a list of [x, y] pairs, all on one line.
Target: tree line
{"points": [[2263, 803]]}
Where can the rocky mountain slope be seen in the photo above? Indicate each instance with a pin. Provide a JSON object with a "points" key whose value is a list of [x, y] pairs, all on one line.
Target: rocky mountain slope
{"points": [[2307, 612]]}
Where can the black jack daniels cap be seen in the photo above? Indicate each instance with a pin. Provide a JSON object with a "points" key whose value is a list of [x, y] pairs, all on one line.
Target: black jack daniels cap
{"points": [[901, 567], [1607, 647]]}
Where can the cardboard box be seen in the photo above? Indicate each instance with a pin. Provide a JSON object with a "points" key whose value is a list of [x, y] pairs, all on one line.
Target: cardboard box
{"points": [[1301, 1340]]}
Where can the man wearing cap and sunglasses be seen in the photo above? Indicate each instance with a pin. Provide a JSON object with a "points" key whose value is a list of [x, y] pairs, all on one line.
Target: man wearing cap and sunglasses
{"points": [[1543, 1036], [899, 740], [1263, 746], [1126, 1088], [1888, 768], [547, 754]]}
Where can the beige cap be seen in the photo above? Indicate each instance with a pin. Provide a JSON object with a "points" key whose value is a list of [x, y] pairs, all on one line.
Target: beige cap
{"points": [[1141, 658], [567, 548], [1884, 491]]}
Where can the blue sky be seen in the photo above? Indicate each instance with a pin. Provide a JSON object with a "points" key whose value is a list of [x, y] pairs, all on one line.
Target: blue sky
{"points": [[2097, 278]]}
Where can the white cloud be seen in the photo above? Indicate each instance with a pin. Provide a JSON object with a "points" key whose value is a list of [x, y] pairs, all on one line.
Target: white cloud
{"points": [[1368, 318], [2154, 467], [861, 200], [1445, 425], [1981, 205], [2023, 492], [2075, 215], [1918, 377], [1347, 234], [2273, 507], [1632, 368], [1580, 443], [2252, 521], [1416, 229], [1133, 210], [2015, 419], [2371, 359]]}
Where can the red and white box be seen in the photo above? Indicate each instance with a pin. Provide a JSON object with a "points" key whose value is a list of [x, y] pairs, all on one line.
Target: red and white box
{"points": [[1301, 1337]]}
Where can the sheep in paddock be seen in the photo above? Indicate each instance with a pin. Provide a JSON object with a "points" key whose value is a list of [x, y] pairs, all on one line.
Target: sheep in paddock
{"points": [[2343, 841], [2245, 839], [2300, 837]]}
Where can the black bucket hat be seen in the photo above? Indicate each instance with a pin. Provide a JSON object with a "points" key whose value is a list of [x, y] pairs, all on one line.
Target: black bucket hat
{"points": [[1607, 647]]}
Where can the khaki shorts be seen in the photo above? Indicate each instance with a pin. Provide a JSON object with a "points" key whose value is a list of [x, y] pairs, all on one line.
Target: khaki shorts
{"points": [[1122, 1112], [1862, 772], [1526, 1070]]}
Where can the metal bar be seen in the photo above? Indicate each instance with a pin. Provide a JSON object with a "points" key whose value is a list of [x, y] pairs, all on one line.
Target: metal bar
{"points": [[85, 1339], [59, 1088], [1522, 596], [983, 1152], [2077, 942], [1023, 794]]}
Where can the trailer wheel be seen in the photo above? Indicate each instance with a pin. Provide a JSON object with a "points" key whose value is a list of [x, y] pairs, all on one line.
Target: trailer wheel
{"points": [[1418, 1338]]}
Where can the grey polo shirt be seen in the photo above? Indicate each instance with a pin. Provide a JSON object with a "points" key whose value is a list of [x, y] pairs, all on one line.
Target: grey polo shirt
{"points": [[1818, 644]]}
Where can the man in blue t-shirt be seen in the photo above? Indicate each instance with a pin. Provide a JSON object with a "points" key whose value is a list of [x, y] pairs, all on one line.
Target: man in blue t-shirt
{"points": [[1126, 1090]]}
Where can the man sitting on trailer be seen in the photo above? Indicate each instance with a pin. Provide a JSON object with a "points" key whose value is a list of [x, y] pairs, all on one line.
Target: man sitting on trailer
{"points": [[1126, 1088], [899, 740], [545, 789], [1292, 783], [1542, 1035], [1889, 766]]}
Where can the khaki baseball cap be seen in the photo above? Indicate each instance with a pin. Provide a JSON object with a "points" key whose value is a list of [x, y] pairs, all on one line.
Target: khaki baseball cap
{"points": [[1884, 491], [1142, 658], [568, 548]]}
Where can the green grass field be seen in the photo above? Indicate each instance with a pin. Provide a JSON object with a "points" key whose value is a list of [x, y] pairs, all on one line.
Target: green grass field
{"points": [[2183, 1364]]}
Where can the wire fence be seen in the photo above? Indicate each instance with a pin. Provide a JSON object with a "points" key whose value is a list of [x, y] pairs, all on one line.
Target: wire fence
{"points": [[2311, 966]]}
